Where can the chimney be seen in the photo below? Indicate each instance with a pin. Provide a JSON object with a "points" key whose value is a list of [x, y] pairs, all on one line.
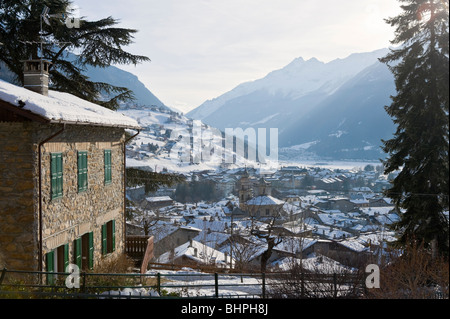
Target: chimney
{"points": [[35, 73]]}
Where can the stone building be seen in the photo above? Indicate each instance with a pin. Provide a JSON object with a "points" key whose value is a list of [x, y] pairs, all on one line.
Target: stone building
{"points": [[259, 203], [62, 184]]}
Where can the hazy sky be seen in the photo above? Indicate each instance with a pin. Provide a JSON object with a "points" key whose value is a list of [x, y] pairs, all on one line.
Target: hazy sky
{"points": [[201, 49]]}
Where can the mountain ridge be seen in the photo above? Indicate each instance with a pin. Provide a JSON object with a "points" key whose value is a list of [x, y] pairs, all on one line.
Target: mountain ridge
{"points": [[306, 101]]}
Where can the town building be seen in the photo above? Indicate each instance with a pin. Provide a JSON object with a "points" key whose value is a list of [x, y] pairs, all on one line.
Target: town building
{"points": [[62, 177]]}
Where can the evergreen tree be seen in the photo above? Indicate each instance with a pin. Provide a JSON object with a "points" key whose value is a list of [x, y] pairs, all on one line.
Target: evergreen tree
{"points": [[97, 43], [152, 181], [419, 147]]}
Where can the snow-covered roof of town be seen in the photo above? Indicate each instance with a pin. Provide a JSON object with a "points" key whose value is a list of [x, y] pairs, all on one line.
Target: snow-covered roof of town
{"points": [[264, 200], [59, 107], [196, 251], [314, 263], [158, 199]]}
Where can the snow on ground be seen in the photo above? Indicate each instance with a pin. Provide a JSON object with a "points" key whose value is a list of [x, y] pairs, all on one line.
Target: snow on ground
{"points": [[198, 284]]}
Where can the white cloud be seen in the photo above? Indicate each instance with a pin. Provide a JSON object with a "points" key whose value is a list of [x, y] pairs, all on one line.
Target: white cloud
{"points": [[202, 48]]}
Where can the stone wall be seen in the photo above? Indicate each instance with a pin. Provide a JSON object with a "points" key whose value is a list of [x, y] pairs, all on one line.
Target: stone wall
{"points": [[18, 227], [75, 213]]}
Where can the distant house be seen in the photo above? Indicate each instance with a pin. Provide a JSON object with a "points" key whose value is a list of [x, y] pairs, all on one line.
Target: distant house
{"points": [[169, 237], [194, 253], [342, 204], [157, 202], [291, 199], [62, 169], [263, 204]]}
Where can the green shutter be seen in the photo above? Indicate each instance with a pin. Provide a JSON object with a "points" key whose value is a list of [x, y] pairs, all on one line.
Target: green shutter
{"points": [[50, 256], [113, 235], [59, 168], [80, 175], [82, 171], [78, 256], [50, 261], [104, 240], [91, 251], [56, 172], [66, 257], [108, 175]]}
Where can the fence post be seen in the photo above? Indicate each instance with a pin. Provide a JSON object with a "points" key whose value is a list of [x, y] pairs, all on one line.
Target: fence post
{"points": [[216, 280], [83, 287], [2, 276], [264, 285], [158, 283]]}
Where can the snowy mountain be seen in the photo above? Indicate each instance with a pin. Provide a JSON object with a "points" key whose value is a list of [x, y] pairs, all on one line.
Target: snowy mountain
{"points": [[305, 99], [350, 123], [170, 141]]}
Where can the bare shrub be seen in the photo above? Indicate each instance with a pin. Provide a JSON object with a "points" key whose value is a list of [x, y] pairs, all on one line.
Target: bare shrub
{"points": [[320, 282], [412, 273]]}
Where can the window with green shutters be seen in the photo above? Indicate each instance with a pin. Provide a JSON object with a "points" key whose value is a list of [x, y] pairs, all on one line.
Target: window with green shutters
{"points": [[66, 257], [57, 262], [91, 250], [84, 251], [56, 171], [50, 259], [108, 175], [109, 237], [82, 171], [78, 257]]}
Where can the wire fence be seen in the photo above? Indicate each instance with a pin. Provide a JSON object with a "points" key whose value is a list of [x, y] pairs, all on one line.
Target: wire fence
{"points": [[175, 284], [187, 284]]}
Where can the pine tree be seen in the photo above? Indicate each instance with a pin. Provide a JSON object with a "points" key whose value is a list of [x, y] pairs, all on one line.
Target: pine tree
{"points": [[419, 147], [152, 181], [97, 43]]}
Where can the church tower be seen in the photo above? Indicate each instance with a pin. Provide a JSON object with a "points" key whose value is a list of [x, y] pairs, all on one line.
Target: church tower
{"points": [[245, 190], [264, 188]]}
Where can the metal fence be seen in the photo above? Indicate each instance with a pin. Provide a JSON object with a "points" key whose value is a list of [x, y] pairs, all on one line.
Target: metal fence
{"points": [[176, 284]]}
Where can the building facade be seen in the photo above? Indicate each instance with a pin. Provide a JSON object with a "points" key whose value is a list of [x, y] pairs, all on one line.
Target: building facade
{"points": [[61, 181]]}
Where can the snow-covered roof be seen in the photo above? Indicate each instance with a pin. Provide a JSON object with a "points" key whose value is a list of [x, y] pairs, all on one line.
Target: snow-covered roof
{"points": [[158, 199], [59, 107], [316, 264], [264, 200], [195, 251]]}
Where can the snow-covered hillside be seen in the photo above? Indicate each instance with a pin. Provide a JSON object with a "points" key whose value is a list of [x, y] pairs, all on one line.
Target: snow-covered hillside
{"points": [[159, 146]]}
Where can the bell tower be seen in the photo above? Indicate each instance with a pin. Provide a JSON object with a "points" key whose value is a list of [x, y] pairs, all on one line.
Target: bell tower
{"points": [[245, 190]]}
